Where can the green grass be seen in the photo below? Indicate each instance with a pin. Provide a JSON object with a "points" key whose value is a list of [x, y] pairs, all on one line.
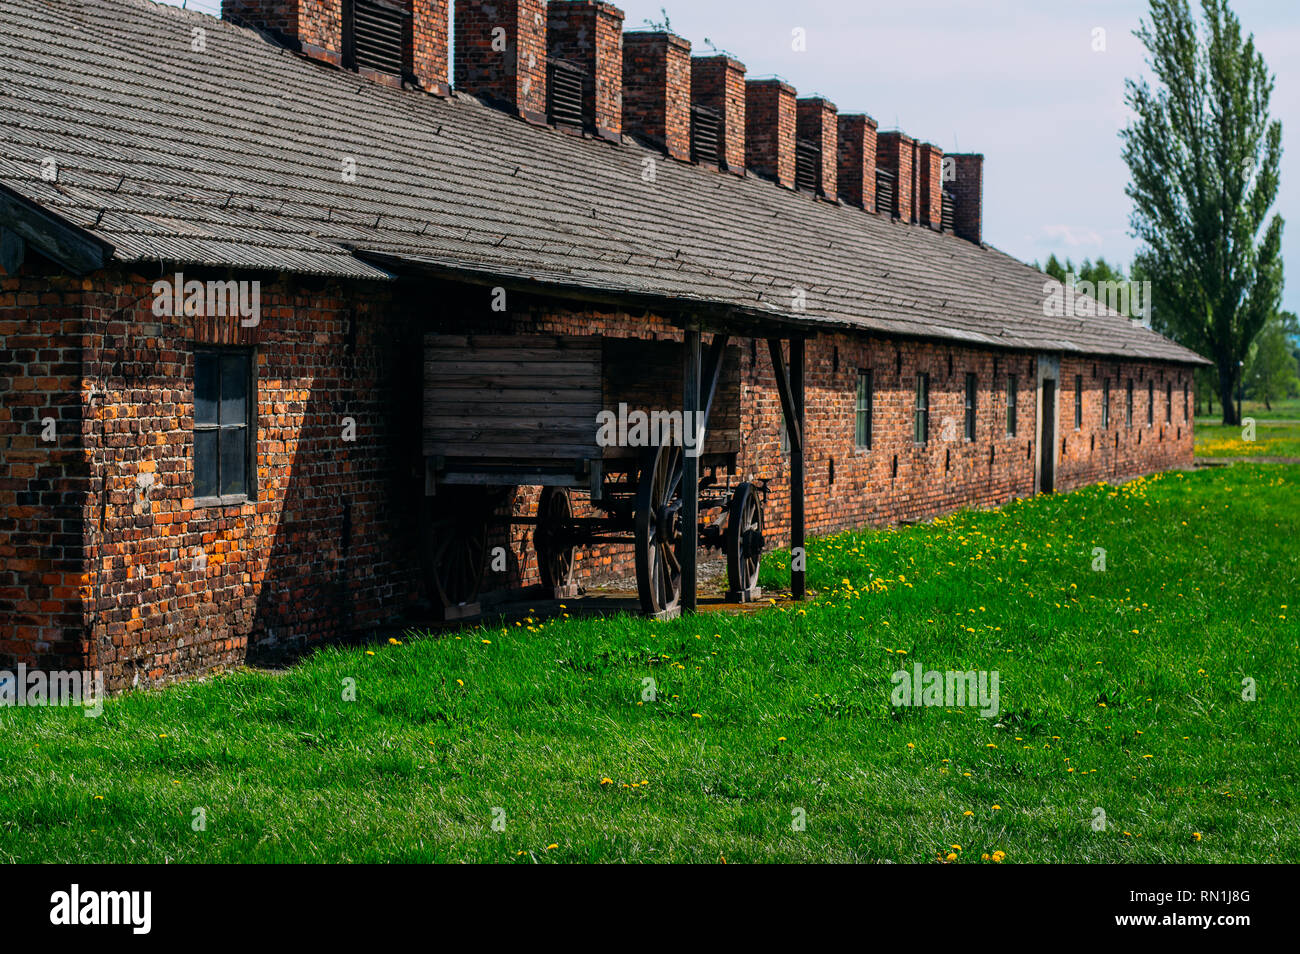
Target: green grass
{"points": [[1132, 677], [1287, 409], [1281, 439]]}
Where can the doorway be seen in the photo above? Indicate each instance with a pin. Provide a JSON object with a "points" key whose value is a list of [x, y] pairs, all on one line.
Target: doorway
{"points": [[1047, 441]]}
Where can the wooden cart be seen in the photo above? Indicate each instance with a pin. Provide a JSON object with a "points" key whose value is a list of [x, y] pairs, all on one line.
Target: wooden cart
{"points": [[502, 412]]}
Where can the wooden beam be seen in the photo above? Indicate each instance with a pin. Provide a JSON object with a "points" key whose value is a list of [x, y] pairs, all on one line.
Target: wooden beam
{"points": [[793, 421], [12, 251], [75, 249], [712, 374], [798, 586], [691, 475]]}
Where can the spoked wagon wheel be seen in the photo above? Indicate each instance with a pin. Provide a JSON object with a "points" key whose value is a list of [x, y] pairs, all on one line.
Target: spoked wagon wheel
{"points": [[743, 543], [554, 555], [659, 532], [453, 538]]}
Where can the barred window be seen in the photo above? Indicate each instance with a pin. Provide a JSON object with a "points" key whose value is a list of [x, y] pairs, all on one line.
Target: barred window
{"points": [[1105, 404], [1078, 401], [1128, 405]]}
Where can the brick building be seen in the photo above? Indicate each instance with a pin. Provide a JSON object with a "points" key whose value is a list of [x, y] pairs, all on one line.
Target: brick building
{"points": [[222, 244]]}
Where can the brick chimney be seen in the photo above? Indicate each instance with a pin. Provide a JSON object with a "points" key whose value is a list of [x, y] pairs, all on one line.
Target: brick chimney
{"points": [[314, 26], [857, 172], [424, 44], [894, 152], [817, 121], [967, 188], [657, 90], [589, 33], [930, 185], [501, 54], [718, 83], [770, 123]]}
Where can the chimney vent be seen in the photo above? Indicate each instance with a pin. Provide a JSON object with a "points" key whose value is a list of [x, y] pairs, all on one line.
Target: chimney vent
{"points": [[589, 34], [770, 124], [718, 86], [657, 90]]}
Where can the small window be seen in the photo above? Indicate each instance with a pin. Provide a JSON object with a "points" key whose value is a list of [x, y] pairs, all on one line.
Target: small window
{"points": [[1128, 405], [1078, 401], [1011, 404], [862, 412], [1184, 402], [921, 418], [1151, 403], [1169, 402], [972, 405], [1105, 404], [223, 415]]}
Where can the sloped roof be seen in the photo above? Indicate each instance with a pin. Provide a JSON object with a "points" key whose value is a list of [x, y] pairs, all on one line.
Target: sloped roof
{"points": [[234, 156]]}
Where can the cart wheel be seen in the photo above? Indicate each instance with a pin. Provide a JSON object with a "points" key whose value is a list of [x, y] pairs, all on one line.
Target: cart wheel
{"points": [[659, 532], [453, 539], [744, 543], [554, 557]]}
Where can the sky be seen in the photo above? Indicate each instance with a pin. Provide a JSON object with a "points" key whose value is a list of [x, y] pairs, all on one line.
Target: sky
{"points": [[1016, 80]]}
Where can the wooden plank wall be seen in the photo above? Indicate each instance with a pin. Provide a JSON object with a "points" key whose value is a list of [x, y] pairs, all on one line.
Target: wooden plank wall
{"points": [[515, 398]]}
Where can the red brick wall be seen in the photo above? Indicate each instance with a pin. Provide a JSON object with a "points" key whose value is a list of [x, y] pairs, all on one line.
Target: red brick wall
{"points": [[1091, 453], [174, 587], [43, 483], [770, 126], [718, 82], [657, 90], [108, 559], [856, 177], [590, 34], [818, 120], [514, 77]]}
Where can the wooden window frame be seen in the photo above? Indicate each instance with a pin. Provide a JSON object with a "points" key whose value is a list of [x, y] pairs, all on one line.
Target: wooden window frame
{"points": [[1013, 398], [249, 427], [864, 410], [921, 411], [972, 405]]}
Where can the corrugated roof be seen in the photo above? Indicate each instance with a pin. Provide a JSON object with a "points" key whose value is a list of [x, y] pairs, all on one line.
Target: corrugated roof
{"points": [[234, 156]]}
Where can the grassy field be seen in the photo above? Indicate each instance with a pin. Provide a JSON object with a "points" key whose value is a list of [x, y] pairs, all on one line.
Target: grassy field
{"points": [[1287, 409], [1277, 432], [1121, 691], [1271, 439]]}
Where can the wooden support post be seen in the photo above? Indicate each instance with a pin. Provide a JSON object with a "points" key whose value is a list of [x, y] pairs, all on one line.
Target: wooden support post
{"points": [[691, 473], [798, 451]]}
